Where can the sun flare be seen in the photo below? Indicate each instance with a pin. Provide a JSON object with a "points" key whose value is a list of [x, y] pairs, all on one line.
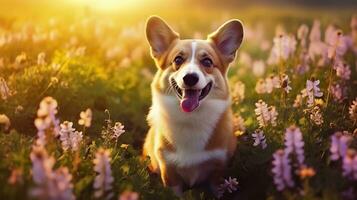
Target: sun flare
{"points": [[178, 99], [109, 4]]}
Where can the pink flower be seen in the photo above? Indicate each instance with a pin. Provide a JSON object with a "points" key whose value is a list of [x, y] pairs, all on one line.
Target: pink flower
{"points": [[267, 85], [303, 65], [229, 185], [265, 115], [339, 145], [317, 48], [312, 91], [330, 33], [338, 92], [294, 143], [259, 139], [302, 34], [282, 170], [337, 44], [41, 164], [118, 130], [284, 47], [53, 185], [318, 52], [46, 121], [349, 165], [70, 138], [103, 181], [315, 34], [342, 70]]}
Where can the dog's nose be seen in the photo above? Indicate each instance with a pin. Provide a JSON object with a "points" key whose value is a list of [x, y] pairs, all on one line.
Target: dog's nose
{"points": [[190, 79]]}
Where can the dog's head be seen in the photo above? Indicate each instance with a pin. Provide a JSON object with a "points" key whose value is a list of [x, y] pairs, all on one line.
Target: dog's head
{"points": [[193, 70]]}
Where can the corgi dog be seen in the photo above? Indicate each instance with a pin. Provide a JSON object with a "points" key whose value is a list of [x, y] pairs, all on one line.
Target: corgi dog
{"points": [[190, 138]]}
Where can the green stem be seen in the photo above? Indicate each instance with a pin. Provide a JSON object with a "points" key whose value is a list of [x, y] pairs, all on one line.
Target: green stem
{"points": [[329, 82]]}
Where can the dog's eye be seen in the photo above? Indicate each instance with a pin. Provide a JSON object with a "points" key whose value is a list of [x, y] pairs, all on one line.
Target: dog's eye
{"points": [[178, 60], [206, 62]]}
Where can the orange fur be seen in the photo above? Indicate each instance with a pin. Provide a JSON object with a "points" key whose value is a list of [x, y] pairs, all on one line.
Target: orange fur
{"points": [[190, 148]]}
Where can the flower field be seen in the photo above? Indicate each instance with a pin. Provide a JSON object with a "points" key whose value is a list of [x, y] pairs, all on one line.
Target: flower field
{"points": [[75, 92]]}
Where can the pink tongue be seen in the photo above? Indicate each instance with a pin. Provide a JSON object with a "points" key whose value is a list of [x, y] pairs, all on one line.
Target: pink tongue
{"points": [[190, 100]]}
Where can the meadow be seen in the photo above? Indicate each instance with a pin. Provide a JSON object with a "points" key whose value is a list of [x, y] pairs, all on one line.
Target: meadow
{"points": [[75, 91]]}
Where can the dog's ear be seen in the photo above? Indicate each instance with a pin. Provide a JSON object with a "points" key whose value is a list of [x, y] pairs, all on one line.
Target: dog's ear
{"points": [[228, 39], [159, 35]]}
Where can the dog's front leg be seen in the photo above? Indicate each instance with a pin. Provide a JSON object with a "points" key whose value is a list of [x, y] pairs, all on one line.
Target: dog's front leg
{"points": [[168, 173]]}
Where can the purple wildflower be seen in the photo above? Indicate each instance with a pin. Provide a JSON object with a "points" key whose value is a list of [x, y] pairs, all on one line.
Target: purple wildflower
{"points": [[312, 91], [46, 121], [337, 43], [265, 114], [294, 143], [342, 70], [104, 179], [317, 48], [282, 170], [41, 164], [302, 34], [229, 185], [70, 138], [303, 65], [339, 145], [259, 138], [118, 130], [284, 47], [349, 165], [338, 92], [53, 185]]}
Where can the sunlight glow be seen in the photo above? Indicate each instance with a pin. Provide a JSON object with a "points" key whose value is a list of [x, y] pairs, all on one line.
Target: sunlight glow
{"points": [[110, 4]]}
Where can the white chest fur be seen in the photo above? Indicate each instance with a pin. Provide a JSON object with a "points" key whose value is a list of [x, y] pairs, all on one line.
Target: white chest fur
{"points": [[188, 132]]}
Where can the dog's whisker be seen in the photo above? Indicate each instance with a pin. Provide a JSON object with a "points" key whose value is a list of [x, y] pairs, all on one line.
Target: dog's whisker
{"points": [[169, 89]]}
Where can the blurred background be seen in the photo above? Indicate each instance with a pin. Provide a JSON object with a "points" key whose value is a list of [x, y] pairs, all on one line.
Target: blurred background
{"points": [[109, 34], [94, 54]]}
